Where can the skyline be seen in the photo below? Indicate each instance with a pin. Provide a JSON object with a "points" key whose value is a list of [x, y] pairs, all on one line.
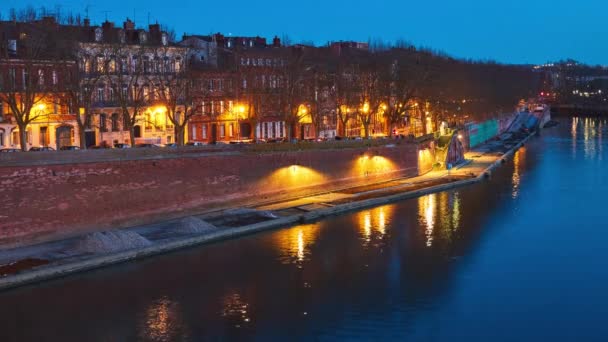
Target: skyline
{"points": [[516, 32]]}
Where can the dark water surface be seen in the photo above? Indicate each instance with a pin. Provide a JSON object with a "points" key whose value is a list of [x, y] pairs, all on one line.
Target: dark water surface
{"points": [[521, 257]]}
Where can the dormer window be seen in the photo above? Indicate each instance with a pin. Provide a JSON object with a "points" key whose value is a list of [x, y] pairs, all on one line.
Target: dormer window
{"points": [[164, 39], [142, 37], [122, 36], [98, 34]]}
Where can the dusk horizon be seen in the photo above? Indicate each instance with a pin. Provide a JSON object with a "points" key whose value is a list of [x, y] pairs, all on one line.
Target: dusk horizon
{"points": [[518, 32]]}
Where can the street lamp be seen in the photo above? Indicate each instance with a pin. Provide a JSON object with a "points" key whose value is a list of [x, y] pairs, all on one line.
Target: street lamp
{"points": [[240, 110]]}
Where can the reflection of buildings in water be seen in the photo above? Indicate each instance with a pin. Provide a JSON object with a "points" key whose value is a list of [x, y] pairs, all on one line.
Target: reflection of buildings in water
{"points": [[439, 214], [589, 133], [373, 223], [573, 132], [294, 243], [600, 128], [163, 321], [518, 163], [456, 211], [236, 309], [426, 213]]}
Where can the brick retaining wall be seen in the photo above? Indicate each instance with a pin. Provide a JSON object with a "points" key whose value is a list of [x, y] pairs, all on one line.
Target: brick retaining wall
{"points": [[39, 203]]}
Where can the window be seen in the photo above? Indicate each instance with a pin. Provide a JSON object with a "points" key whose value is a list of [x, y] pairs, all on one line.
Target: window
{"points": [[164, 39], [26, 78], [11, 77], [100, 63], [54, 76], [102, 123], [146, 64], [231, 130], [112, 65], [87, 65], [40, 77], [260, 62], [98, 34], [281, 129], [111, 94], [222, 130], [193, 132], [244, 83], [178, 64], [123, 64], [268, 62], [100, 94], [204, 131], [1, 136], [115, 122]]}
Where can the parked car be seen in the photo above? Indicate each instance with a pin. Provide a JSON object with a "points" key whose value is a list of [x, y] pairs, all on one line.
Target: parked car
{"points": [[195, 143], [10, 150], [41, 148], [146, 145], [121, 145], [98, 147], [69, 148]]}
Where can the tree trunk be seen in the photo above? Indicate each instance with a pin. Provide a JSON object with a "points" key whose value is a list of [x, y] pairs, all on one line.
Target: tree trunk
{"points": [[132, 136], [366, 129], [179, 134], [23, 136]]}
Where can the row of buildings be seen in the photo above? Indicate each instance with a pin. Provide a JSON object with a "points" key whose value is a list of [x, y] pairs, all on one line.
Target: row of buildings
{"points": [[92, 85]]}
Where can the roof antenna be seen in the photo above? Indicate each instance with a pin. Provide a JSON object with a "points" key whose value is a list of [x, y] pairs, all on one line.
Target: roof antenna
{"points": [[106, 14]]}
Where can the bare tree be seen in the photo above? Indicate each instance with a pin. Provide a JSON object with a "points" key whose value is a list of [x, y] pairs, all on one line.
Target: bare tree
{"points": [[406, 77], [293, 92], [25, 86], [176, 93], [126, 72]]}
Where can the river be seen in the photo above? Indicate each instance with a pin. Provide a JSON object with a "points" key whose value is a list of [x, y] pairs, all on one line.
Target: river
{"points": [[519, 257]]}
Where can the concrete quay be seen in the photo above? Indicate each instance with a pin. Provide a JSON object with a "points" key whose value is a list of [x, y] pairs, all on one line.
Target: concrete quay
{"points": [[63, 260]]}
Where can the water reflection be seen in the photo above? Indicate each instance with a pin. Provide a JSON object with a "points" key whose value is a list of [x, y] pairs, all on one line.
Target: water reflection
{"points": [[518, 165], [235, 310], [426, 214], [373, 224], [163, 321], [294, 243]]}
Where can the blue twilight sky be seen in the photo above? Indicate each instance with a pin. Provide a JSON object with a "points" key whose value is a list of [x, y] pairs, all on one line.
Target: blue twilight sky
{"points": [[512, 31]]}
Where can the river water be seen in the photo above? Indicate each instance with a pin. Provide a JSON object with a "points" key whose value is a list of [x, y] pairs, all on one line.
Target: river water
{"points": [[520, 257]]}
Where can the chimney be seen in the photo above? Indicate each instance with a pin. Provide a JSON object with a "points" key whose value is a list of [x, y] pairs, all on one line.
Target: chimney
{"points": [[48, 21], [87, 22], [129, 25], [155, 33], [276, 41], [107, 25]]}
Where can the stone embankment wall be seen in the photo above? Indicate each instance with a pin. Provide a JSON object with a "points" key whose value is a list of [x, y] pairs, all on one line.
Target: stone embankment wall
{"points": [[46, 202]]}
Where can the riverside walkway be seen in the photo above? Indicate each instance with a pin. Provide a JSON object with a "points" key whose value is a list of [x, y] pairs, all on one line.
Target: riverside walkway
{"points": [[35, 263]]}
